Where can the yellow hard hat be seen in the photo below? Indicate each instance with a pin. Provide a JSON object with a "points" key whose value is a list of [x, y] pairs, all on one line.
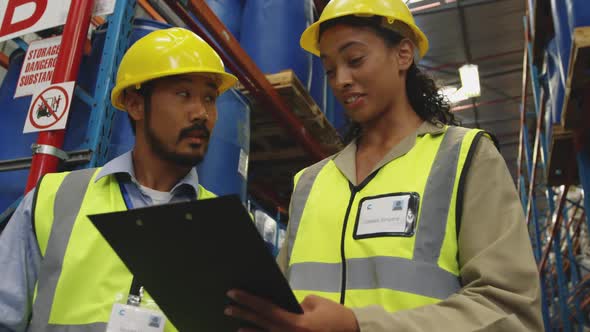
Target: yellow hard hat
{"points": [[168, 52], [394, 12]]}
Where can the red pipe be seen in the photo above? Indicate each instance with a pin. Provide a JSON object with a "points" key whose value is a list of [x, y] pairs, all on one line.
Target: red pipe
{"points": [[475, 60], [558, 215], [151, 11], [424, 7], [485, 103], [577, 230], [525, 80], [3, 60], [249, 74], [573, 217], [66, 69]]}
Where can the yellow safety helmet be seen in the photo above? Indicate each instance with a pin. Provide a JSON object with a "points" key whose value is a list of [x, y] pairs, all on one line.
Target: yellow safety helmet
{"points": [[168, 52], [394, 12]]}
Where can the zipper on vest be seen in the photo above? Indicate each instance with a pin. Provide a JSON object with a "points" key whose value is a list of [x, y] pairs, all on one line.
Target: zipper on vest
{"points": [[353, 192]]}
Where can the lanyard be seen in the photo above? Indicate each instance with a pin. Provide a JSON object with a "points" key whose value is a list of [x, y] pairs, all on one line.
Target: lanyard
{"points": [[136, 289], [126, 198]]}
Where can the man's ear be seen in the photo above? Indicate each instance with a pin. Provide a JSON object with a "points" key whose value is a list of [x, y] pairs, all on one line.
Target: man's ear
{"points": [[134, 104], [405, 54]]}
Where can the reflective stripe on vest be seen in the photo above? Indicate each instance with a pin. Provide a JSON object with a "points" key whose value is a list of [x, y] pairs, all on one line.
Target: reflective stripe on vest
{"points": [[95, 327], [68, 201], [420, 275]]}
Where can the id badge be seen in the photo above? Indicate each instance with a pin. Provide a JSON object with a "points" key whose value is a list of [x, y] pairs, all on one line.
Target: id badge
{"points": [[387, 215], [127, 318]]}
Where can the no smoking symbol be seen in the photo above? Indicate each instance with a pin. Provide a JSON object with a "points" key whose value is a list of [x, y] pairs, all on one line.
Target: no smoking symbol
{"points": [[49, 107]]}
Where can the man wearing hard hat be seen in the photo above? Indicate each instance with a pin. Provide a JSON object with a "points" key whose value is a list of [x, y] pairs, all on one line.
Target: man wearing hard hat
{"points": [[58, 273]]}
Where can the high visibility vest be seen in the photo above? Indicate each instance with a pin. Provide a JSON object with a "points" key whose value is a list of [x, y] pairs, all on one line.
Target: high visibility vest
{"points": [[395, 272], [80, 274]]}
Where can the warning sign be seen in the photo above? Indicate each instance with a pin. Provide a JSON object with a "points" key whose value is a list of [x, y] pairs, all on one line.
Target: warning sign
{"points": [[38, 66], [49, 109]]}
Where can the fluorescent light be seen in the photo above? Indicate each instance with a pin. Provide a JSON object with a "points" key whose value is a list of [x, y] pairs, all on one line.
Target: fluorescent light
{"points": [[470, 80], [453, 94], [469, 85]]}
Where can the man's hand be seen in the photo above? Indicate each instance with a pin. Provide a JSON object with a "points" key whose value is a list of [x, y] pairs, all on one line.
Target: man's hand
{"points": [[319, 314]]}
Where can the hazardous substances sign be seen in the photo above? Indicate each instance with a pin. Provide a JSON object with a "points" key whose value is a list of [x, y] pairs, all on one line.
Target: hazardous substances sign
{"points": [[38, 67]]}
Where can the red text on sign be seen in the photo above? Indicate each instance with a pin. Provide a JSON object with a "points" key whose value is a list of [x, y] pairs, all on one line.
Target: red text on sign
{"points": [[9, 27]]}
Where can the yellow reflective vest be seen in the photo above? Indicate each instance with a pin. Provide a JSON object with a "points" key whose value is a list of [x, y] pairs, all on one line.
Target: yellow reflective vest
{"points": [[328, 257], [80, 274]]}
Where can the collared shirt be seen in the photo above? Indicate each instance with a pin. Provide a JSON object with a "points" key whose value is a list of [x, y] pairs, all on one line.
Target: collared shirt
{"points": [[20, 258], [345, 160], [122, 166], [501, 290]]}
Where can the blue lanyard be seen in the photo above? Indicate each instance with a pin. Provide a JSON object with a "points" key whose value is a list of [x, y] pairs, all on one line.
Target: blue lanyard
{"points": [[135, 291], [126, 197]]}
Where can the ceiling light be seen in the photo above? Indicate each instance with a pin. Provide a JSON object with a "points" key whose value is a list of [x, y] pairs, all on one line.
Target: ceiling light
{"points": [[453, 94], [470, 80]]}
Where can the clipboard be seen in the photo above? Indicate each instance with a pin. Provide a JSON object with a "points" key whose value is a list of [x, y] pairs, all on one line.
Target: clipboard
{"points": [[188, 255]]}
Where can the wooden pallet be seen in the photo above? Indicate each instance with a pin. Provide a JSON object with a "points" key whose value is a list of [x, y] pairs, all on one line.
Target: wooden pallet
{"points": [[275, 156], [270, 140], [578, 79], [562, 166]]}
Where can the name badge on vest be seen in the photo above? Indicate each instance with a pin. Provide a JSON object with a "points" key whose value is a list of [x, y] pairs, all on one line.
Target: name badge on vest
{"points": [[387, 215], [125, 318]]}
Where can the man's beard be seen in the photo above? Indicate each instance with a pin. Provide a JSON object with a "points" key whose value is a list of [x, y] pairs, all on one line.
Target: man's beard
{"points": [[160, 149]]}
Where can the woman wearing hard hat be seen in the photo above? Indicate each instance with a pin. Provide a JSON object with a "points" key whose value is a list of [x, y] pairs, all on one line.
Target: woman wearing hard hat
{"points": [[416, 224]]}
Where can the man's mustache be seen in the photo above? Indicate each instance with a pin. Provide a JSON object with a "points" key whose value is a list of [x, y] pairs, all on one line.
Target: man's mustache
{"points": [[200, 128]]}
